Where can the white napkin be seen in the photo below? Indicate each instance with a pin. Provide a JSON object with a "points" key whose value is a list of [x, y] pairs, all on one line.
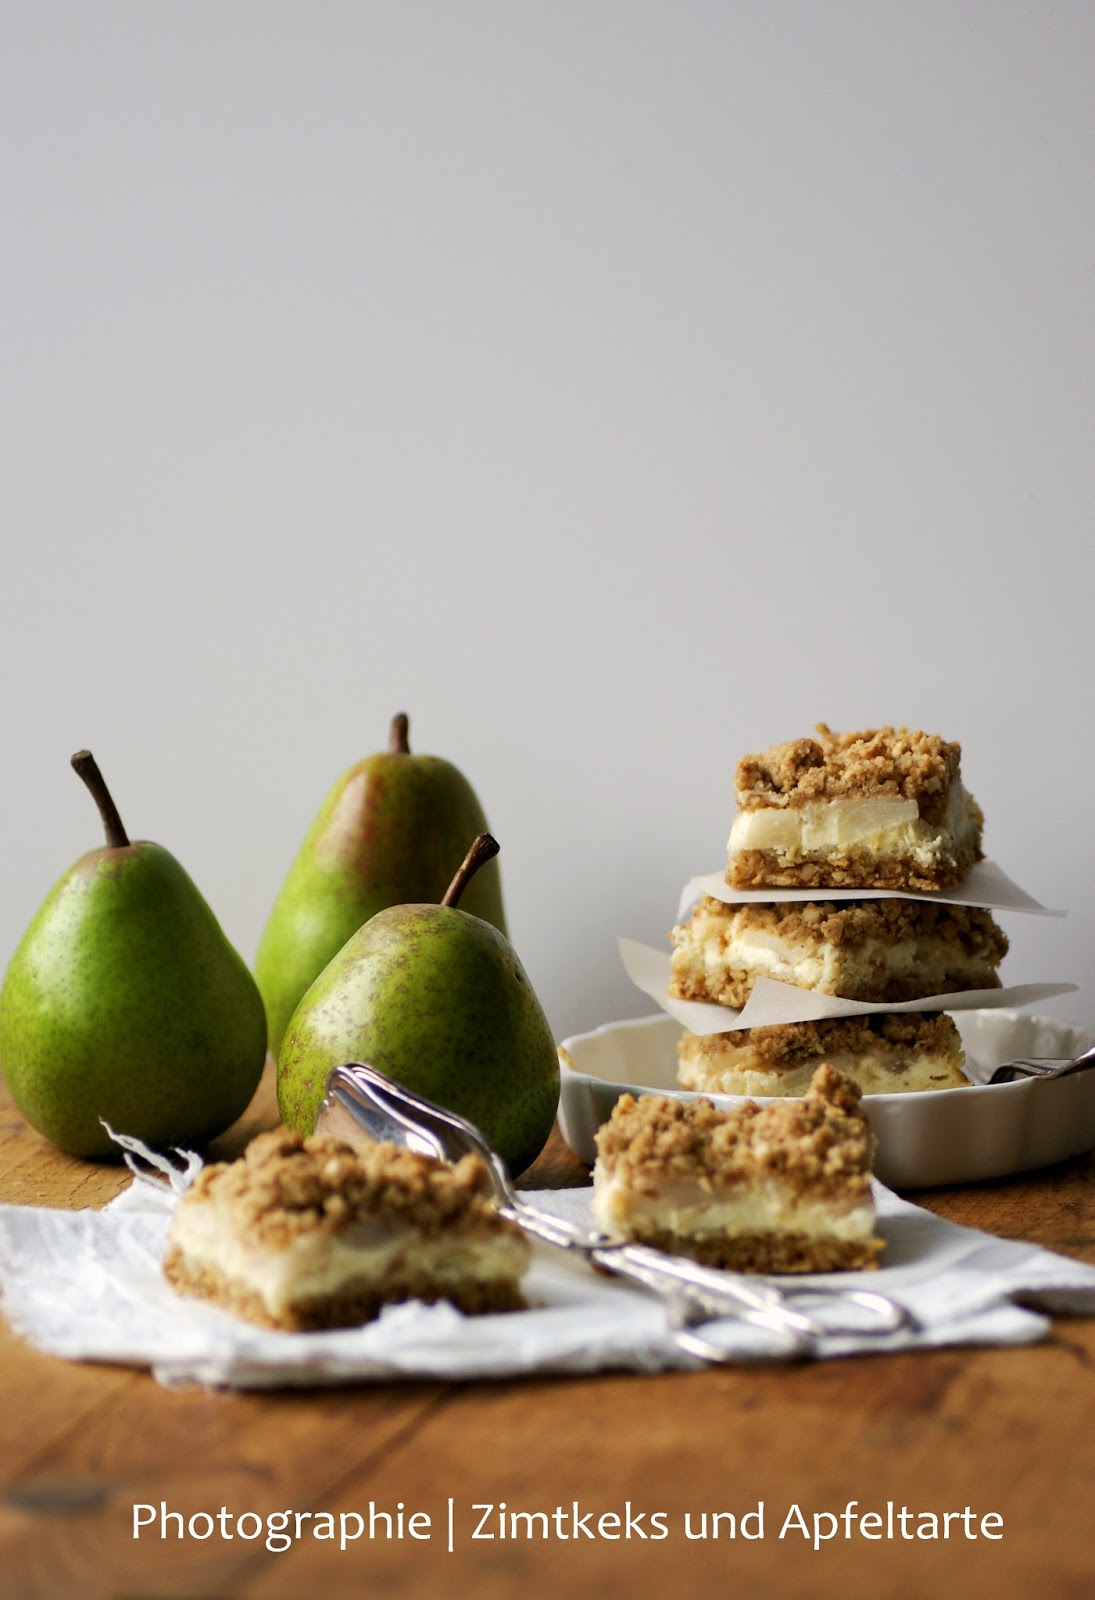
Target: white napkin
{"points": [[87, 1285]]}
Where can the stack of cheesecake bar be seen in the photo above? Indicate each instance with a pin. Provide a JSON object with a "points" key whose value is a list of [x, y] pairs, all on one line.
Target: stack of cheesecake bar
{"points": [[882, 810]]}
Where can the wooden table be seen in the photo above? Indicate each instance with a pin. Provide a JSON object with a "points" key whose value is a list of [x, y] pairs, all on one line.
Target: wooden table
{"points": [[1009, 1431]]}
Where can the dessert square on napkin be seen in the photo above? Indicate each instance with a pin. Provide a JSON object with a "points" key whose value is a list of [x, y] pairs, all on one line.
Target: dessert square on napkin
{"points": [[87, 1285]]}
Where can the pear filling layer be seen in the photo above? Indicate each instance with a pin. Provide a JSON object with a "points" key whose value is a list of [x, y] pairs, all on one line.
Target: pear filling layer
{"points": [[865, 829]]}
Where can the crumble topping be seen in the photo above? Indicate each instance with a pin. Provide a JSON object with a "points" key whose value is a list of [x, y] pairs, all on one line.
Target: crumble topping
{"points": [[850, 923], [820, 1145], [285, 1186], [886, 762], [790, 1044]]}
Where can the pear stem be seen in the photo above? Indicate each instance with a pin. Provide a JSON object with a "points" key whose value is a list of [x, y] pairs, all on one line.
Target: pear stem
{"points": [[397, 735], [482, 850], [85, 765]]}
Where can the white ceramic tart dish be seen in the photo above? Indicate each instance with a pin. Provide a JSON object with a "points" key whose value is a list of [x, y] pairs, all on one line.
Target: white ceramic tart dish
{"points": [[925, 1139]]}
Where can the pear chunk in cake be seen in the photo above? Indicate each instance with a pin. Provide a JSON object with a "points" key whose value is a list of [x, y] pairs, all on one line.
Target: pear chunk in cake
{"points": [[311, 1233], [884, 1052], [871, 950], [783, 1187], [881, 809]]}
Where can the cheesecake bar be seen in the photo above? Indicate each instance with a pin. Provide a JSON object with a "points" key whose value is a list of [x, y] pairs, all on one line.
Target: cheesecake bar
{"points": [[874, 950], [311, 1233], [882, 809], [783, 1187], [884, 1053]]}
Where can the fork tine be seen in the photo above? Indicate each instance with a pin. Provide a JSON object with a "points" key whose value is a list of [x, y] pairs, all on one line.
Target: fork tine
{"points": [[1027, 1067]]}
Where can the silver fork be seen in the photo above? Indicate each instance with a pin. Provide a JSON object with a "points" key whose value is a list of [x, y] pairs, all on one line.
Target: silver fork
{"points": [[1031, 1067], [361, 1100]]}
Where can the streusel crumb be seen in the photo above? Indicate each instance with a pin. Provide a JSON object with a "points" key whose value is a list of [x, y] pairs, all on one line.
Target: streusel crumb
{"points": [[822, 1144], [877, 762], [286, 1185], [786, 1044]]}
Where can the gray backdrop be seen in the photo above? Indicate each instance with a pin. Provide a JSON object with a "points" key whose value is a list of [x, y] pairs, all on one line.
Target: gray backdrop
{"points": [[617, 387]]}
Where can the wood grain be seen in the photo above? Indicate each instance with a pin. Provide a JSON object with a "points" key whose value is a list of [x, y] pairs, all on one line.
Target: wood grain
{"points": [[1009, 1431]]}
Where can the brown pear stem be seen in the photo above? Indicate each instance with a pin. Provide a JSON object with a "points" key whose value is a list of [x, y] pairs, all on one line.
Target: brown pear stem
{"points": [[397, 735], [85, 764], [482, 850]]}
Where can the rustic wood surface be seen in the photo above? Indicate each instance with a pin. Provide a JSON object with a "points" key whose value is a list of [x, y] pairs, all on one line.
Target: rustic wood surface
{"points": [[1007, 1431]]}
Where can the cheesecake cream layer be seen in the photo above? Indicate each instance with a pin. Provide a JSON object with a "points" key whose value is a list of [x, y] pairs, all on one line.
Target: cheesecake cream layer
{"points": [[871, 950], [378, 1255], [875, 827], [883, 1053], [692, 1211]]}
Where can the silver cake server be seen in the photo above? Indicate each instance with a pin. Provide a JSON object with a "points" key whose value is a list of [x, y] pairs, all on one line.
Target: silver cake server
{"points": [[1030, 1067]]}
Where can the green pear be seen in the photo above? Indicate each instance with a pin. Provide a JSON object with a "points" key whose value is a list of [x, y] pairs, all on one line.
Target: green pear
{"points": [[125, 1002], [437, 999], [387, 834]]}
